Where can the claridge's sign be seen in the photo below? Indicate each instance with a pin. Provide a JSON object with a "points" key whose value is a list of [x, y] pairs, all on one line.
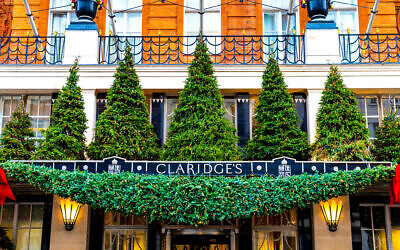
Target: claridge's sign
{"points": [[282, 166]]}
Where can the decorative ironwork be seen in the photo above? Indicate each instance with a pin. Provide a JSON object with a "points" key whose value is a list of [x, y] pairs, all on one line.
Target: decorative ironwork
{"points": [[32, 50], [370, 48], [222, 49]]}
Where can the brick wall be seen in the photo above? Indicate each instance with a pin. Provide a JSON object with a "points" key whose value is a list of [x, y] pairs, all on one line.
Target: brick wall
{"points": [[5, 17]]}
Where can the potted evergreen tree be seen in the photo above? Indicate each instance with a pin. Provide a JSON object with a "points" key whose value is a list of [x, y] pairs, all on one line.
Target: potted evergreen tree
{"points": [[387, 142]]}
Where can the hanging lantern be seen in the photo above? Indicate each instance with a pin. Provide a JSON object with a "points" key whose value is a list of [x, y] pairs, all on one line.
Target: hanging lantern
{"points": [[332, 210], [70, 210]]}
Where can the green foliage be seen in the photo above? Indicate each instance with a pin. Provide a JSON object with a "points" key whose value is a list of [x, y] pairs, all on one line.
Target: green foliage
{"points": [[16, 142], [341, 131], [199, 130], [124, 128], [195, 200], [5, 242], [387, 142], [276, 130], [65, 137]]}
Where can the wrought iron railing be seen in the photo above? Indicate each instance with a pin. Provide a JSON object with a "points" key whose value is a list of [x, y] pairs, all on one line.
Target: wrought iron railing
{"points": [[222, 49], [32, 50], [370, 48]]}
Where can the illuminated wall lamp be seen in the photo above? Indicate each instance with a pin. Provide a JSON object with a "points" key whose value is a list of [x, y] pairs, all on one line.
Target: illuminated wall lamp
{"points": [[69, 210], [332, 210]]}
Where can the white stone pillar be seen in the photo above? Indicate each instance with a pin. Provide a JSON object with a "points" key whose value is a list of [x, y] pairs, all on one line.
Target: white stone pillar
{"points": [[82, 42], [89, 97], [322, 42], [313, 100]]}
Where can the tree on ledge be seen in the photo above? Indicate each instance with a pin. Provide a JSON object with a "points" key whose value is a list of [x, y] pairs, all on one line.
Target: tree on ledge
{"points": [[65, 137], [387, 142], [124, 128], [341, 131], [16, 142], [199, 131], [276, 131]]}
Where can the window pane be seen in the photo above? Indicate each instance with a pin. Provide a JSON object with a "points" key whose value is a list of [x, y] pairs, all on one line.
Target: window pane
{"points": [[171, 105], [58, 3], [367, 241], [24, 215], [378, 214], [33, 103], [45, 106], [7, 106], [292, 24], [387, 104], [7, 216], [37, 216], [372, 106], [5, 121], [270, 24], [192, 24], [59, 23], [230, 109], [212, 24], [23, 239], [134, 24], [277, 3], [380, 240], [43, 124], [361, 105], [373, 124], [348, 21], [35, 241]]}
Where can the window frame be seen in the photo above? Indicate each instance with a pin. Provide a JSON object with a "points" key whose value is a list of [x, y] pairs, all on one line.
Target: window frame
{"points": [[15, 226], [282, 31], [125, 17], [35, 127], [66, 10], [342, 8]]}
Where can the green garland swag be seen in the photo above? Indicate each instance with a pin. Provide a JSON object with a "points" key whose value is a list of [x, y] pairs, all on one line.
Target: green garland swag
{"points": [[195, 200]]}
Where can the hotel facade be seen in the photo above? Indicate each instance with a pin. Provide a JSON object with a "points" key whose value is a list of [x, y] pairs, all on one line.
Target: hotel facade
{"points": [[38, 46]]}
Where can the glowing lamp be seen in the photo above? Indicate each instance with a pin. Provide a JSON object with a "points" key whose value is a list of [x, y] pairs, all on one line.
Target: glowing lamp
{"points": [[332, 210], [69, 210]]}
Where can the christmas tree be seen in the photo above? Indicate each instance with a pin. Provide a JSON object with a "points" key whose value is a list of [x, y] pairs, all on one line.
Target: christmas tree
{"points": [[124, 128], [341, 131], [387, 142], [199, 131], [16, 142], [276, 131], [65, 137]]}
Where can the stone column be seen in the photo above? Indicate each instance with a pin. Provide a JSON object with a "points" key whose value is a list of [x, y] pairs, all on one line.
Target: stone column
{"points": [[327, 240], [89, 97], [82, 42], [313, 99], [322, 42], [61, 239]]}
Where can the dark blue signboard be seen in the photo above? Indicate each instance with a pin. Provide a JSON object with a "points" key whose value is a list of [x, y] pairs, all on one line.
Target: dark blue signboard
{"points": [[282, 166]]}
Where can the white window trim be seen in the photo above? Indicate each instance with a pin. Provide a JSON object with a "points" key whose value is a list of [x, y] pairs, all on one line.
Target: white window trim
{"points": [[67, 10], [125, 13]]}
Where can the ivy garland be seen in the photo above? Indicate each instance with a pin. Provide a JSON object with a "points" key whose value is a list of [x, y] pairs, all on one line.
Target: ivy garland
{"points": [[195, 200]]}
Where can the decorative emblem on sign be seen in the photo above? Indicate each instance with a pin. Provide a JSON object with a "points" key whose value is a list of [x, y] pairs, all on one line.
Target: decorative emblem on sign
{"points": [[114, 168], [284, 169]]}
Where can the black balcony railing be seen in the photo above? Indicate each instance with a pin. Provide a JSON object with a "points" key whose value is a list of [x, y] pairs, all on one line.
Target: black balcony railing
{"points": [[31, 50], [370, 48], [222, 49]]}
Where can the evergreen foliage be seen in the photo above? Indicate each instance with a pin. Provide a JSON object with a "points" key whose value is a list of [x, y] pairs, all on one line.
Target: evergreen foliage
{"points": [[341, 133], [199, 131], [387, 142], [124, 128], [276, 131], [65, 137], [198, 199], [16, 142]]}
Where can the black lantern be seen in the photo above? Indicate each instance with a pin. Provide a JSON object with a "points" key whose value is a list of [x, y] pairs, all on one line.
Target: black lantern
{"points": [[86, 10], [318, 8]]}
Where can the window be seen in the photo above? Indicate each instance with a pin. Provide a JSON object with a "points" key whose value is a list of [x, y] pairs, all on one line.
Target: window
{"points": [[128, 24], [7, 104], [60, 18], [345, 16], [39, 109], [275, 22], [124, 232], [276, 232], [24, 224], [374, 108], [275, 17], [211, 25]]}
